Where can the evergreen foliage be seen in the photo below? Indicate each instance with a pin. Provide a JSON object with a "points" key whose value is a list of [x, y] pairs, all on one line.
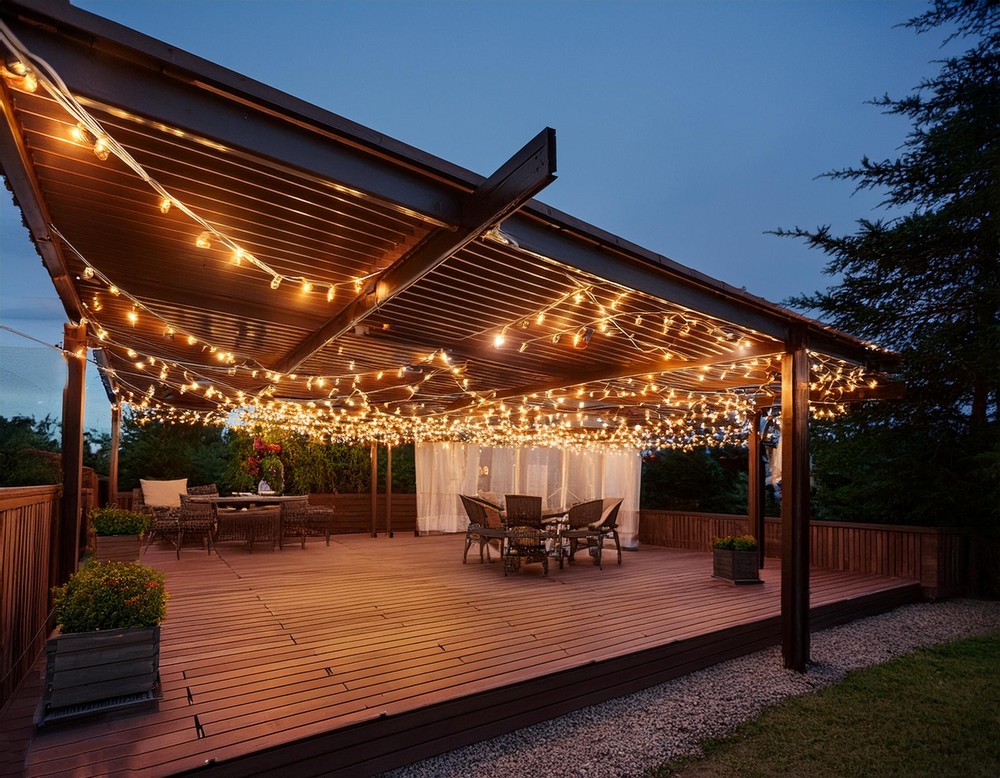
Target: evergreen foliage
{"points": [[152, 449], [927, 284], [21, 434]]}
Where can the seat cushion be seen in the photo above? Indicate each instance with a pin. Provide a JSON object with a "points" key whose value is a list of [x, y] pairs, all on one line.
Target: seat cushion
{"points": [[163, 494], [490, 497]]}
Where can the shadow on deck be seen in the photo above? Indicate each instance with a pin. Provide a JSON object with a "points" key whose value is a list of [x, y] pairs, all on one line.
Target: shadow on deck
{"points": [[374, 652]]}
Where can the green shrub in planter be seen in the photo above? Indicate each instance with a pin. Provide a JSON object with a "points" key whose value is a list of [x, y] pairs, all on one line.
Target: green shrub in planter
{"points": [[118, 521], [736, 543], [113, 595]]}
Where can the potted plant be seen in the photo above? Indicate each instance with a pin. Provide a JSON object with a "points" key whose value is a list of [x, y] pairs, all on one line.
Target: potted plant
{"points": [[117, 533], [105, 655], [735, 560]]}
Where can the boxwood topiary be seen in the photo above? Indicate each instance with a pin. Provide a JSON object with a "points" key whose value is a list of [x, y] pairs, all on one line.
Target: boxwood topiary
{"points": [[736, 543], [112, 595], [117, 521]]}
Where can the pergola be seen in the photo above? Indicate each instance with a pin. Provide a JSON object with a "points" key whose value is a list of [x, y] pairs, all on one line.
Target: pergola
{"points": [[229, 251]]}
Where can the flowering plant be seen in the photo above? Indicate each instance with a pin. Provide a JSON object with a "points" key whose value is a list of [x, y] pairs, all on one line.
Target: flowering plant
{"points": [[265, 463], [113, 595]]}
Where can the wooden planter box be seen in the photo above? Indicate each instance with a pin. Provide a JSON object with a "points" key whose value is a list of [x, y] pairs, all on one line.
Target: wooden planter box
{"points": [[93, 673], [116, 548], [735, 567]]}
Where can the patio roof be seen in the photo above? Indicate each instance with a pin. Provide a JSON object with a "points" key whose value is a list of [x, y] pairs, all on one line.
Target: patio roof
{"points": [[231, 247]]}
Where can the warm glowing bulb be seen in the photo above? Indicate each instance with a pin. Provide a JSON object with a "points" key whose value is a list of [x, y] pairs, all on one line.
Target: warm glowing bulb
{"points": [[276, 282], [88, 273], [192, 340], [17, 67], [329, 294], [498, 341], [133, 317], [29, 83], [165, 205], [238, 256], [79, 133], [578, 297], [204, 240], [114, 290], [306, 287], [101, 150]]}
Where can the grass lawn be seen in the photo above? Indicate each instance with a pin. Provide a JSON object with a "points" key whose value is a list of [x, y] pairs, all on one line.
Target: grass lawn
{"points": [[935, 712]]}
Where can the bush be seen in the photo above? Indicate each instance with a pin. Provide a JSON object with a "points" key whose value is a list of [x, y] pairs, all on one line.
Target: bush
{"points": [[113, 595], [736, 543], [116, 521]]}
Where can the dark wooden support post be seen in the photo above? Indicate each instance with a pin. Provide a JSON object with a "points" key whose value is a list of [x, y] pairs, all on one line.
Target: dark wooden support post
{"points": [[795, 503], [388, 490], [755, 484], [116, 434], [374, 487], [68, 537]]}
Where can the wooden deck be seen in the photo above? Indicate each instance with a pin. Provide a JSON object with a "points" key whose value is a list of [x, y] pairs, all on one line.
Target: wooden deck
{"points": [[375, 652]]}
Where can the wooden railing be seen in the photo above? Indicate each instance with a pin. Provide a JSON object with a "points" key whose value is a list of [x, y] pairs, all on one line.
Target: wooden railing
{"points": [[938, 557], [29, 516]]}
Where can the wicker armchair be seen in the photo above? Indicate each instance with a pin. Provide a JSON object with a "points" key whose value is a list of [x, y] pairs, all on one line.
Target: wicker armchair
{"points": [[592, 535], [196, 520], [294, 520], [163, 522], [485, 527], [321, 518]]}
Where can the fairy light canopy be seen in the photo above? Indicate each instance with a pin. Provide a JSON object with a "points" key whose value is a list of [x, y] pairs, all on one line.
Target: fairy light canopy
{"points": [[237, 253]]}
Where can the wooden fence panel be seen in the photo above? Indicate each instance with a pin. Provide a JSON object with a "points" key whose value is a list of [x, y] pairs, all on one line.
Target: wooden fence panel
{"points": [[28, 519], [935, 556]]}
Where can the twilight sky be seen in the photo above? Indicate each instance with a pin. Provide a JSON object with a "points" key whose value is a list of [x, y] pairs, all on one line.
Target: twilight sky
{"points": [[688, 127]]}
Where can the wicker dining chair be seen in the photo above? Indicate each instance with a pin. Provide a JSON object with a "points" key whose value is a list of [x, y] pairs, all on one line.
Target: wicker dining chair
{"points": [[525, 544], [523, 510], [196, 520], [593, 535], [485, 527], [294, 520], [577, 526]]}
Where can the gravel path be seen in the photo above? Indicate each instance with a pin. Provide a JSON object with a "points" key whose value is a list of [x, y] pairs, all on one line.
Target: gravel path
{"points": [[629, 735]]}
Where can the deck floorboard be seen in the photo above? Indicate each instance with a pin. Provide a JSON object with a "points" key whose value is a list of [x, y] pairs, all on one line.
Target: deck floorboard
{"points": [[273, 661]]}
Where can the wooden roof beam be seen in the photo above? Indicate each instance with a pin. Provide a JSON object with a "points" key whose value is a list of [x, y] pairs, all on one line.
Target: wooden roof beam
{"points": [[514, 183]]}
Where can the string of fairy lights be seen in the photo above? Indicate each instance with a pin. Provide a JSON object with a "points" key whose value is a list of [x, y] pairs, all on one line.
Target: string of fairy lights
{"points": [[416, 401]]}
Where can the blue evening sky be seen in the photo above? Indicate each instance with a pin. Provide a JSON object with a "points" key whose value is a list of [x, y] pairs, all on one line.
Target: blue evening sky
{"points": [[690, 128]]}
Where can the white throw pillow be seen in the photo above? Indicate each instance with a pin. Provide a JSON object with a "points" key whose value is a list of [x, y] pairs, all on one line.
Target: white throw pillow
{"points": [[163, 494]]}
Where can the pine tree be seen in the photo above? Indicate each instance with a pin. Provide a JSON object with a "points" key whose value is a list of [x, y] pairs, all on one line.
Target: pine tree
{"points": [[927, 284]]}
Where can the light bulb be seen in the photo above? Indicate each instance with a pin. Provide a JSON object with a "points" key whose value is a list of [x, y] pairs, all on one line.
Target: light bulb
{"points": [[306, 287], [238, 256], [165, 205], [276, 282], [329, 294], [88, 273], [101, 150], [204, 240]]}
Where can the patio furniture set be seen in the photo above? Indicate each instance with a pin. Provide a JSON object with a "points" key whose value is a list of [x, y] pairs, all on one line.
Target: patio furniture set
{"points": [[522, 532], [204, 514]]}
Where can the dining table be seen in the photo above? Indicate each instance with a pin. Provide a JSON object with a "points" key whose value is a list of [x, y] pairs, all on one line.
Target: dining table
{"points": [[247, 516]]}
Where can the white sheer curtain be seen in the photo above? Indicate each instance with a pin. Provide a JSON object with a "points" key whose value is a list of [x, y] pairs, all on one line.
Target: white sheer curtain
{"points": [[622, 478], [444, 471]]}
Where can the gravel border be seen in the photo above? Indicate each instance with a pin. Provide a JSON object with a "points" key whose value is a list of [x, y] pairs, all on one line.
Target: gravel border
{"points": [[630, 735]]}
